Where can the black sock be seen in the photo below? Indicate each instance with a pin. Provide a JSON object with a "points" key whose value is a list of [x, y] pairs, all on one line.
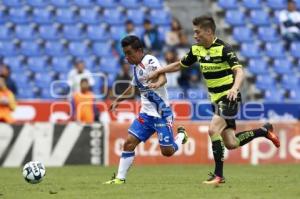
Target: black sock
{"points": [[246, 136], [218, 151]]}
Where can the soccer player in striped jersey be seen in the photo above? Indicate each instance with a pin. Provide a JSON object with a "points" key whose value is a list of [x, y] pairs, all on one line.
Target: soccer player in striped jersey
{"points": [[223, 75], [155, 114]]}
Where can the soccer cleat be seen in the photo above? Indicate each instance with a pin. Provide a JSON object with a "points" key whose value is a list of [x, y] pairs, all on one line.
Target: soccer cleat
{"points": [[181, 129], [214, 179], [115, 180], [271, 135]]}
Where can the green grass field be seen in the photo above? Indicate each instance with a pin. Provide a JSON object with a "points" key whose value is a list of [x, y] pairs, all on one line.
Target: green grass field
{"points": [[155, 182]]}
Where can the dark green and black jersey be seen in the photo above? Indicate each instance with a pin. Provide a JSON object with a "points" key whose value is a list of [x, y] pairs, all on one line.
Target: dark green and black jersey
{"points": [[217, 63]]}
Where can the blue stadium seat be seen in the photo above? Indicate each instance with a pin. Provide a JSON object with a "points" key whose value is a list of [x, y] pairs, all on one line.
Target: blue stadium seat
{"points": [[243, 34], [277, 4], [83, 3], [268, 34], [251, 50], [265, 82], [89, 16], [26, 93], [97, 33], [38, 3], [117, 32], [5, 33], [37, 64], [295, 94], [61, 64], [107, 3], [43, 80], [89, 62], [13, 3], [160, 17], [8, 48], [113, 17], [102, 49], [65, 16], [275, 50], [162, 31], [153, 4], [253, 4], [30, 48], [18, 15], [130, 4], [274, 95], [42, 16], [78, 49], [3, 16], [109, 65], [259, 18], [20, 79], [290, 82], [73, 32], [60, 3], [45, 93], [176, 93], [196, 94], [235, 18], [295, 49], [49, 32], [15, 63], [228, 4], [25, 32], [258, 67], [54, 48], [283, 66], [137, 16]]}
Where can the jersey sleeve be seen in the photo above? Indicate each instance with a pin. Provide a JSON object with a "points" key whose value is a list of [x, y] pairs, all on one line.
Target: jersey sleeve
{"points": [[231, 57], [188, 59]]}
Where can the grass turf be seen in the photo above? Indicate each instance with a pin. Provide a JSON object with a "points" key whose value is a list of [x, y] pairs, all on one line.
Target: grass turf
{"points": [[155, 182]]}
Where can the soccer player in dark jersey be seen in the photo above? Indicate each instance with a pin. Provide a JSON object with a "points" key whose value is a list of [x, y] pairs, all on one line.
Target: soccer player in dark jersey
{"points": [[223, 75]]}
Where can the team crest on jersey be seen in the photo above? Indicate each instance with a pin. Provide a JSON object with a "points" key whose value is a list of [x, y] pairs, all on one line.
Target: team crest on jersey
{"points": [[141, 72]]}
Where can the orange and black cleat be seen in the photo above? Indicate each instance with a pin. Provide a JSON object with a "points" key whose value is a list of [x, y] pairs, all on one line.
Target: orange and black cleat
{"points": [[214, 179], [271, 135]]}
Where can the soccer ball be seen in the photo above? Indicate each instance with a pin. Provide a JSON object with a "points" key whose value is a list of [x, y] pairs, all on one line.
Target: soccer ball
{"points": [[34, 172]]}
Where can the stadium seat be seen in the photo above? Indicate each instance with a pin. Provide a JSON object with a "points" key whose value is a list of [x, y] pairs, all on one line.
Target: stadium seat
{"points": [[276, 4], [137, 16], [61, 64], [113, 17], [15, 63], [13, 3], [295, 49], [109, 65], [25, 32], [162, 30], [153, 4], [274, 95], [268, 34], [42, 16], [130, 4], [38, 3], [290, 82], [65, 16], [259, 18], [275, 50], [30, 48], [283, 66], [3, 16], [54, 48], [25, 93], [258, 67], [117, 32], [45, 93], [102, 49], [89, 16], [295, 94], [243, 34], [60, 3], [251, 50], [196, 94], [43, 80], [20, 79], [49, 32], [83, 3], [228, 4], [253, 4], [18, 15], [235, 18], [107, 3], [265, 82], [176, 93], [8, 48], [5, 33], [73, 32], [97, 33], [160, 17], [37, 64], [78, 49]]}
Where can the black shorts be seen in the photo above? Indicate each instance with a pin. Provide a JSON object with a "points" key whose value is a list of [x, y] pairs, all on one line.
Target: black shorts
{"points": [[227, 110]]}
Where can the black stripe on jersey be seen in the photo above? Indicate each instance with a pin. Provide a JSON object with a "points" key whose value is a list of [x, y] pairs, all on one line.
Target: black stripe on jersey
{"points": [[217, 74], [220, 89]]}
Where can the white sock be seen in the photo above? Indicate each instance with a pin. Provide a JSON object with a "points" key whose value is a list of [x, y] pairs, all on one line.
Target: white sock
{"points": [[178, 139], [126, 160]]}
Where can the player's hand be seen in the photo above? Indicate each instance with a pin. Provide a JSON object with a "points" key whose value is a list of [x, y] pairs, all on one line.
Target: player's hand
{"points": [[153, 85], [152, 75], [113, 106], [232, 94]]}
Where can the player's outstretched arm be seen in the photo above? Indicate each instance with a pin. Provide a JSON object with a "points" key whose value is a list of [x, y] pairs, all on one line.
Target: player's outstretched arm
{"points": [[166, 69], [160, 82], [125, 95]]}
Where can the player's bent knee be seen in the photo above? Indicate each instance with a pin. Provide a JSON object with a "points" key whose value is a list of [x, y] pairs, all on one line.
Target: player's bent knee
{"points": [[167, 152], [129, 146], [230, 146]]}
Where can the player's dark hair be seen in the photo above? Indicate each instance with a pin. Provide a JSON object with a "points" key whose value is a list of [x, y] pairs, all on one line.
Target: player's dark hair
{"points": [[132, 41], [206, 22]]}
